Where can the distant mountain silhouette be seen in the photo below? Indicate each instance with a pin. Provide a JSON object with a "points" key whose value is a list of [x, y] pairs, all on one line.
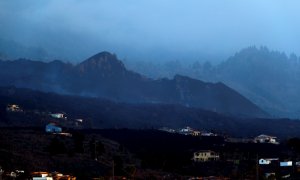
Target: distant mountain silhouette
{"points": [[104, 61], [269, 78], [103, 75]]}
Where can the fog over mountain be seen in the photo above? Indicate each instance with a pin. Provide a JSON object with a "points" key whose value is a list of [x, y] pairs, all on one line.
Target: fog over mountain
{"points": [[271, 79], [161, 39], [149, 89], [103, 75], [150, 30]]}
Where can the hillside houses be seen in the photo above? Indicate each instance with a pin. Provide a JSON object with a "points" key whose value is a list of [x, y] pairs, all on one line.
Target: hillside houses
{"points": [[52, 122], [66, 121], [51, 176], [259, 139], [193, 132], [266, 139], [274, 167], [205, 155], [187, 131], [263, 138]]}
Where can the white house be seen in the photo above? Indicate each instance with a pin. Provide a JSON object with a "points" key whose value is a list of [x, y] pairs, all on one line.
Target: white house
{"points": [[41, 176], [208, 134], [52, 128], [205, 155], [79, 120], [286, 163], [13, 108], [196, 133], [58, 115], [266, 161], [1, 171], [265, 139], [186, 131]]}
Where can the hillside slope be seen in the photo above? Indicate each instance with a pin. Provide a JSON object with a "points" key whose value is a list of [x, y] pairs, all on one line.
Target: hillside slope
{"points": [[99, 113], [103, 75]]}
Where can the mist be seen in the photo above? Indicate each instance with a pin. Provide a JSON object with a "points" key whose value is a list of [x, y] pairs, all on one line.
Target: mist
{"points": [[151, 30]]}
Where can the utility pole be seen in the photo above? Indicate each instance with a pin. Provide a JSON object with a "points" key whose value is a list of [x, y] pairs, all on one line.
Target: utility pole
{"points": [[113, 170], [257, 174], [1, 172], [95, 151]]}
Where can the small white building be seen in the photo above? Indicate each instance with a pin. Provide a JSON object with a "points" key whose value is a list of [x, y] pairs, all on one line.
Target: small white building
{"points": [[205, 155], [41, 176], [186, 131], [208, 134], [52, 128], [13, 108], [196, 133], [286, 163], [79, 120], [265, 139], [58, 115], [266, 161]]}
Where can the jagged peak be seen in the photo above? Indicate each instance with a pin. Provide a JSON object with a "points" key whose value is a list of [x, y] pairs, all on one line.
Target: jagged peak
{"points": [[103, 54], [102, 60], [100, 57]]}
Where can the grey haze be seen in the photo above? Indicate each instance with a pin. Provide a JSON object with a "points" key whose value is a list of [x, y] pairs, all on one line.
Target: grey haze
{"points": [[153, 30]]}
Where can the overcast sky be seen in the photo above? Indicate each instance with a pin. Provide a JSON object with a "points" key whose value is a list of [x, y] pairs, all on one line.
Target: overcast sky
{"points": [[152, 29]]}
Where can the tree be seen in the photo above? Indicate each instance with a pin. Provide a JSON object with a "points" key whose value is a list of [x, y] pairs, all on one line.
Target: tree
{"points": [[96, 148], [56, 146], [78, 139], [294, 143], [3, 115], [118, 165]]}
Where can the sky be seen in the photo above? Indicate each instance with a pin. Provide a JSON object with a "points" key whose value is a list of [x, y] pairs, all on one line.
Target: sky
{"points": [[153, 30]]}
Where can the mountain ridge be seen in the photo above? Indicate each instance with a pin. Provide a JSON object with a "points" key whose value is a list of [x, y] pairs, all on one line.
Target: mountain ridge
{"points": [[269, 78], [102, 113], [103, 75]]}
